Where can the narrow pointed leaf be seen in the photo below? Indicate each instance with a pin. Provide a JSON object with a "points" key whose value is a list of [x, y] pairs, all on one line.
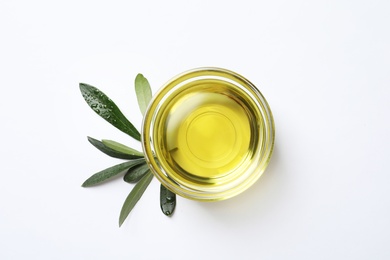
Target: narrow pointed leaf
{"points": [[110, 152], [121, 148], [134, 174], [134, 196], [108, 110], [143, 91], [167, 200], [103, 175]]}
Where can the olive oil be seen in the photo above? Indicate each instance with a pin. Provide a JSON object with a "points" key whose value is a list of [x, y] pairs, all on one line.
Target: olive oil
{"points": [[208, 134]]}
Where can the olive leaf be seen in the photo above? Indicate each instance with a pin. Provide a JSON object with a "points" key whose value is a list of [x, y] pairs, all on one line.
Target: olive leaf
{"points": [[143, 91], [103, 175], [108, 110], [111, 152], [167, 200], [121, 148], [137, 170], [134, 196], [134, 174]]}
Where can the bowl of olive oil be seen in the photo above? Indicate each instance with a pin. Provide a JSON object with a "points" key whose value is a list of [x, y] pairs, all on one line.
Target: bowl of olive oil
{"points": [[208, 134]]}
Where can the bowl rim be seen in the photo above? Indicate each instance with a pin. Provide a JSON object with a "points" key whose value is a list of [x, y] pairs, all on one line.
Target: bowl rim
{"points": [[148, 142]]}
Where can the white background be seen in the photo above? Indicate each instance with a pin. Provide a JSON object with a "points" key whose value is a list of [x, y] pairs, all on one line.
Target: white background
{"points": [[324, 67]]}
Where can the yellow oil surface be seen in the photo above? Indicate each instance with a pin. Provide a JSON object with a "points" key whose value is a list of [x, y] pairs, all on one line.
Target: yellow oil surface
{"points": [[207, 134]]}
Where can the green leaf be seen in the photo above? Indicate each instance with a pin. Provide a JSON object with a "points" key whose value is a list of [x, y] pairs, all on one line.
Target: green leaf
{"points": [[110, 152], [121, 148], [167, 200], [134, 174], [108, 110], [143, 91], [134, 196], [110, 172]]}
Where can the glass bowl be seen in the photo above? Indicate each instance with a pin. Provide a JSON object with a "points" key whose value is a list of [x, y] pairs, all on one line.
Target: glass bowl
{"points": [[208, 134]]}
